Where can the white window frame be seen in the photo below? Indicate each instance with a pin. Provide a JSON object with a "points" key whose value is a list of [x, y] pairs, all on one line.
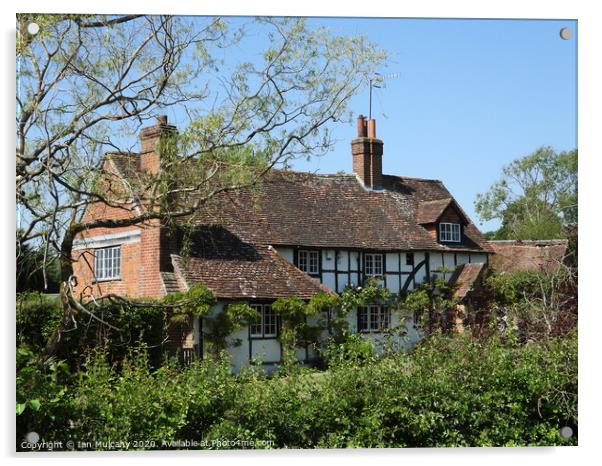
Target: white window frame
{"points": [[376, 318], [450, 232], [267, 324], [107, 263], [309, 261], [372, 267]]}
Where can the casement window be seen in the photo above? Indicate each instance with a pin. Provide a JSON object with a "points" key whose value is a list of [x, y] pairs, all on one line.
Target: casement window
{"points": [[266, 325], [309, 262], [373, 264], [409, 258], [373, 318], [107, 263], [449, 232]]}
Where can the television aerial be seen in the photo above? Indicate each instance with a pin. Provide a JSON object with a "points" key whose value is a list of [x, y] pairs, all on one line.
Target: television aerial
{"points": [[379, 81]]}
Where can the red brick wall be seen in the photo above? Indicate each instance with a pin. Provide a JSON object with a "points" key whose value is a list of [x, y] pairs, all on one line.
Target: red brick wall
{"points": [[432, 230], [140, 261]]}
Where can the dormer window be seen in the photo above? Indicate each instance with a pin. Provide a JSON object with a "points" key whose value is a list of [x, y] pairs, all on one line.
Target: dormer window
{"points": [[449, 232]]}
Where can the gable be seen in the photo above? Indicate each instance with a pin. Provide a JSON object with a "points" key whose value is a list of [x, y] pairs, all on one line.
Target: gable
{"points": [[441, 210]]}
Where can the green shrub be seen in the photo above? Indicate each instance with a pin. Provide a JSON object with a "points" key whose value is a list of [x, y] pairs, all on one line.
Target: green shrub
{"points": [[37, 315], [538, 305], [449, 391], [43, 391]]}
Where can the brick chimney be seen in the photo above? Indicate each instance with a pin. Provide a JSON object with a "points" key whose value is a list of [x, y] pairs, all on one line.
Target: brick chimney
{"points": [[367, 153], [149, 138]]}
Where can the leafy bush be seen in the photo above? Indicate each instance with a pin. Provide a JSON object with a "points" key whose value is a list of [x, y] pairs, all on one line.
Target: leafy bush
{"points": [[37, 316], [43, 396], [449, 391], [538, 305]]}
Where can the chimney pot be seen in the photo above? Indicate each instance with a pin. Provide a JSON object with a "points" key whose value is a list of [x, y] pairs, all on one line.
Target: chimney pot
{"points": [[162, 119], [372, 128], [361, 127]]}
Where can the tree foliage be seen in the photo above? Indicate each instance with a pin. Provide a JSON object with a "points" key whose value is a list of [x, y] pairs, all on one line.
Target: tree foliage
{"points": [[87, 83], [535, 197]]}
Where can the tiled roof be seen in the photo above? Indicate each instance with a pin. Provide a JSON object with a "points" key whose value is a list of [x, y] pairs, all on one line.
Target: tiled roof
{"points": [[126, 163], [430, 211], [314, 210], [302, 209], [464, 278], [234, 269], [543, 256], [170, 282]]}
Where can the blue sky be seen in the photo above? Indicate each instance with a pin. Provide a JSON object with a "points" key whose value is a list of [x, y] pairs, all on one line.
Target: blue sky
{"points": [[472, 96]]}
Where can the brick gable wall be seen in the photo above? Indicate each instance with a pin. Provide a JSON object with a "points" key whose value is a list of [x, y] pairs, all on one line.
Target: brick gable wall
{"points": [[140, 260]]}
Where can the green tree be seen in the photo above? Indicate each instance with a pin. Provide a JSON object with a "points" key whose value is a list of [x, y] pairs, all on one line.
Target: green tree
{"points": [[35, 270], [86, 83], [536, 197]]}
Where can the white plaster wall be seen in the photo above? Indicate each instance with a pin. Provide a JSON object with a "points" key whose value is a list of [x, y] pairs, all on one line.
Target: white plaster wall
{"points": [[354, 256], [328, 259], [436, 263], [238, 348], [342, 261], [448, 261], [478, 257], [403, 339], [418, 256], [287, 253], [462, 258], [268, 350], [329, 280], [392, 261], [393, 282], [421, 274]]}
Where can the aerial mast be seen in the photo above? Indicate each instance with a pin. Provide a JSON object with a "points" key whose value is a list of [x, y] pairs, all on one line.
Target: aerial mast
{"points": [[378, 81]]}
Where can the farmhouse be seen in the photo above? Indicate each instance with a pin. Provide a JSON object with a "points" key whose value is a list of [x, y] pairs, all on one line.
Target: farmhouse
{"points": [[297, 234]]}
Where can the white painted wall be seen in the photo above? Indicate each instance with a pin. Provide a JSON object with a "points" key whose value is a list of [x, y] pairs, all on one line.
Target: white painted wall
{"points": [[287, 253], [394, 262], [407, 335], [269, 351]]}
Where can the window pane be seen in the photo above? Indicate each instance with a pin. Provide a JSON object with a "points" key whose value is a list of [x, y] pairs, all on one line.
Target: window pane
{"points": [[269, 321], [374, 264], [384, 318], [313, 262], [256, 326], [449, 232], [456, 232], [378, 264], [107, 263], [303, 261], [362, 319], [374, 321]]}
